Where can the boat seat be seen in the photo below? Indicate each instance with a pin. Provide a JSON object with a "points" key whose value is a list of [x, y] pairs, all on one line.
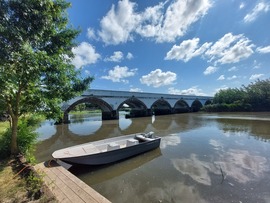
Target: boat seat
{"points": [[132, 142], [90, 149], [113, 146]]}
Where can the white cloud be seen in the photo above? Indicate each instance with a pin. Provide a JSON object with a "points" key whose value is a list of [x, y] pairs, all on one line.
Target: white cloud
{"points": [[221, 77], [118, 74], [242, 5], [91, 33], [157, 78], [187, 50], [179, 16], [135, 90], [85, 54], [119, 23], [210, 70], [116, 57], [190, 91], [256, 11], [228, 49], [256, 76], [87, 72], [232, 77], [129, 56], [232, 69], [223, 87], [162, 24], [263, 50]]}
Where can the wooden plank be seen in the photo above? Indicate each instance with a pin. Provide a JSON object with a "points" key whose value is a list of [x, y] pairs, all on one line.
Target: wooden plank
{"points": [[68, 188], [79, 192], [50, 182], [98, 197]]}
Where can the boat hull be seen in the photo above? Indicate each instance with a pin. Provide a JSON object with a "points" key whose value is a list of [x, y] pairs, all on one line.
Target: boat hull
{"points": [[114, 155]]}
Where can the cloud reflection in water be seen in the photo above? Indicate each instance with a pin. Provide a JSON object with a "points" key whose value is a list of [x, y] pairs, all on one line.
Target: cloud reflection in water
{"points": [[239, 165], [171, 140]]}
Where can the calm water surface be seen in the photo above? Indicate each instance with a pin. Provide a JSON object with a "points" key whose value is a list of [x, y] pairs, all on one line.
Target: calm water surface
{"points": [[202, 157]]}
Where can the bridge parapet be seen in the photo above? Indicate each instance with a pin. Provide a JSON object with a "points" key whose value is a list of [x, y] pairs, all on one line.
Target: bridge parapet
{"points": [[111, 101]]}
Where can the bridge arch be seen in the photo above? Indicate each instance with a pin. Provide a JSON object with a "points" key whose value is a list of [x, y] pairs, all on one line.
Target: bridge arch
{"points": [[107, 111], [138, 108], [181, 106], [196, 105], [161, 107], [111, 101]]}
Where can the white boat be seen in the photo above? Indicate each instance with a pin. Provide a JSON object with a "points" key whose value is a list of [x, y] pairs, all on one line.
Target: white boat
{"points": [[108, 150]]}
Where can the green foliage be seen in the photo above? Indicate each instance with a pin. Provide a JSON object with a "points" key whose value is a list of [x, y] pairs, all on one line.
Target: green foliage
{"points": [[34, 184], [254, 97], [26, 138], [36, 74]]}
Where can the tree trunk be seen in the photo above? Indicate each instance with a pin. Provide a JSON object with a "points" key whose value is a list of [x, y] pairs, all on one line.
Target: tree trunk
{"points": [[14, 146]]}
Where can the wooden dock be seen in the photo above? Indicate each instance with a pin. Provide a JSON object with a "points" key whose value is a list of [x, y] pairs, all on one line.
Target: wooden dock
{"points": [[66, 187]]}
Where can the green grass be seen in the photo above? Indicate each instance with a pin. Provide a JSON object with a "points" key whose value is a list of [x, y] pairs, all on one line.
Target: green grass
{"points": [[3, 126], [85, 112], [12, 187]]}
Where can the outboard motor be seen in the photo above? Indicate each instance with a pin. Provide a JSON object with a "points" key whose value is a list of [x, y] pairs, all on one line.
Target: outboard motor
{"points": [[149, 135]]}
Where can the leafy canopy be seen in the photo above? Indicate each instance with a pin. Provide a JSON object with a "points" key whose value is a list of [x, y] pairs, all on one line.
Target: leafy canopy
{"points": [[35, 54]]}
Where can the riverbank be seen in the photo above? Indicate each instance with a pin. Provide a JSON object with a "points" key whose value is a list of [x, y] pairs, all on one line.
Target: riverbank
{"points": [[20, 183]]}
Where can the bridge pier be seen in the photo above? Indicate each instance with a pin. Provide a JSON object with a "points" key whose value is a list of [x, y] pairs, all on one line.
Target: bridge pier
{"points": [[65, 118], [139, 113], [110, 115]]}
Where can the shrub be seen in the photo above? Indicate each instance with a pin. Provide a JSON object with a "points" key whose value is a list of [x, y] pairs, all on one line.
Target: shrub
{"points": [[26, 138]]}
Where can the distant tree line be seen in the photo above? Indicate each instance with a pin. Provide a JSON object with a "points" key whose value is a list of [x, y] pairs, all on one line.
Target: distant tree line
{"points": [[254, 97]]}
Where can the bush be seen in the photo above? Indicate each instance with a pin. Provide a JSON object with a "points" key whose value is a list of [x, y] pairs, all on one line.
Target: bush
{"points": [[26, 139]]}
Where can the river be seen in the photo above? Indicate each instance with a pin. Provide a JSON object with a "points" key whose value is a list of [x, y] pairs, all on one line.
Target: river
{"points": [[221, 157]]}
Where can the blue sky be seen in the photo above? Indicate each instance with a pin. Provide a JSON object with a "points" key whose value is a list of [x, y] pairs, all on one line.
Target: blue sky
{"points": [[193, 47]]}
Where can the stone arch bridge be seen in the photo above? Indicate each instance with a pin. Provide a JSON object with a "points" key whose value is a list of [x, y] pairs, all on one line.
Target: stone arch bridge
{"points": [[141, 103]]}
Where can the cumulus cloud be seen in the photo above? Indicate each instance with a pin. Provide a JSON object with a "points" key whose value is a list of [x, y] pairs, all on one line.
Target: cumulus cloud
{"points": [[116, 57], [222, 77], [232, 69], [119, 23], [162, 24], [228, 49], [177, 19], [91, 33], [256, 11], [210, 70], [187, 50], [263, 50], [85, 54], [118, 74], [158, 78], [129, 56], [135, 89], [256, 76], [242, 5], [232, 77], [194, 90]]}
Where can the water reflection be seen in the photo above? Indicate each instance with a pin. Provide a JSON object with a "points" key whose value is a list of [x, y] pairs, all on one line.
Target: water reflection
{"points": [[194, 149], [171, 140], [103, 173]]}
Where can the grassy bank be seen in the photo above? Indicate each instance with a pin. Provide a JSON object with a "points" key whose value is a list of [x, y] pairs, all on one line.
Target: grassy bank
{"points": [[17, 184], [12, 188], [3, 127]]}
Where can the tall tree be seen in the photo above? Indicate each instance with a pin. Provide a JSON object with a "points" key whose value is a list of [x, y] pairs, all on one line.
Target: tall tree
{"points": [[36, 73]]}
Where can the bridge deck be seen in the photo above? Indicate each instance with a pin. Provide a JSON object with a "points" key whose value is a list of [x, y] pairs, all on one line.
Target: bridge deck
{"points": [[66, 187]]}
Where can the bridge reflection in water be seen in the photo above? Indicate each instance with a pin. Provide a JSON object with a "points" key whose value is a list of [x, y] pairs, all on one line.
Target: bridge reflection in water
{"points": [[193, 150]]}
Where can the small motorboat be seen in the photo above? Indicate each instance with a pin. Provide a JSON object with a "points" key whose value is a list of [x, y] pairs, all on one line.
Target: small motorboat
{"points": [[108, 150]]}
